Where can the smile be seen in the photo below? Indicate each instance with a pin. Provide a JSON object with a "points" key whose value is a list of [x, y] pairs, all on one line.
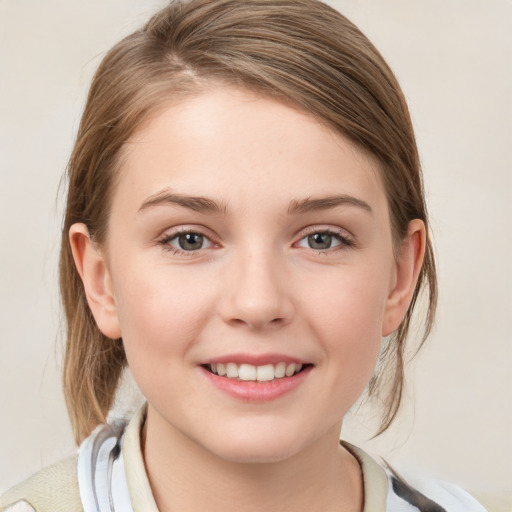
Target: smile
{"points": [[256, 377], [249, 372]]}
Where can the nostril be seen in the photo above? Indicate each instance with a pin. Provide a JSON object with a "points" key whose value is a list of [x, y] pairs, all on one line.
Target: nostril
{"points": [[258, 323], [255, 300]]}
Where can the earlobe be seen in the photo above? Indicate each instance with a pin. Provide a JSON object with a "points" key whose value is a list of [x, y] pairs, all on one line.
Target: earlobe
{"points": [[96, 280], [407, 270]]}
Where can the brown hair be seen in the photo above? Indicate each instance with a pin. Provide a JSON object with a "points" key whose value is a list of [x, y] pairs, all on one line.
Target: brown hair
{"points": [[301, 51]]}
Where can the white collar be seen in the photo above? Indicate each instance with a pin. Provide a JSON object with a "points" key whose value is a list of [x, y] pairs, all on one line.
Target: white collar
{"points": [[112, 476]]}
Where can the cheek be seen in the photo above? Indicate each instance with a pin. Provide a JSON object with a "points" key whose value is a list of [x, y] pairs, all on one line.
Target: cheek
{"points": [[350, 302], [347, 314], [161, 314]]}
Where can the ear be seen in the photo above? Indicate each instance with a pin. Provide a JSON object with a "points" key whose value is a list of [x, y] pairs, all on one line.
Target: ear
{"points": [[407, 270], [96, 280]]}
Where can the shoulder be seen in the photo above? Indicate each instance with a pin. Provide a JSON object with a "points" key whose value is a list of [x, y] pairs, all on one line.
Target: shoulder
{"points": [[429, 494], [387, 490], [53, 489]]}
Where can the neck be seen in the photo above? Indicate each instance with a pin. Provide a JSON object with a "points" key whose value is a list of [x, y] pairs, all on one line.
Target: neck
{"points": [[185, 476]]}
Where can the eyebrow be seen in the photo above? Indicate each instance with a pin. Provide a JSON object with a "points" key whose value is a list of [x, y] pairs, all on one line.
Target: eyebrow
{"points": [[196, 203], [325, 203], [206, 205]]}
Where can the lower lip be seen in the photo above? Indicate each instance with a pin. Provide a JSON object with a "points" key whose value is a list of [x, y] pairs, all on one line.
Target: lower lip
{"points": [[252, 391]]}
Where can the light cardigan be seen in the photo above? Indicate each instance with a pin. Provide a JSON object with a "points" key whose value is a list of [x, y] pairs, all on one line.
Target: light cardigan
{"points": [[57, 488]]}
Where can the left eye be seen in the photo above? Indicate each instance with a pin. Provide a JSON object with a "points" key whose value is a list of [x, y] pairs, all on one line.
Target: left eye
{"points": [[320, 241], [189, 241]]}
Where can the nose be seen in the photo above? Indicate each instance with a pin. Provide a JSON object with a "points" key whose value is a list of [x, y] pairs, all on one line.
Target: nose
{"points": [[258, 293]]}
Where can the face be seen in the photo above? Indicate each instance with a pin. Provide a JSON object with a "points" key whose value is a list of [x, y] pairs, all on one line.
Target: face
{"points": [[249, 270]]}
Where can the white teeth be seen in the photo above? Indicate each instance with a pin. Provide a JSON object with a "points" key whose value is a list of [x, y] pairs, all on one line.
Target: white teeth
{"points": [[280, 370], [232, 370], [249, 372], [290, 369], [265, 373]]}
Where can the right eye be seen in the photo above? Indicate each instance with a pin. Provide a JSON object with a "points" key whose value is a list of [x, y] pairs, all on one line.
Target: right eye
{"points": [[186, 241]]}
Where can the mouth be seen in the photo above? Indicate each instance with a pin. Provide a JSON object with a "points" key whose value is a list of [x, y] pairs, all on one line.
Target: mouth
{"points": [[251, 373]]}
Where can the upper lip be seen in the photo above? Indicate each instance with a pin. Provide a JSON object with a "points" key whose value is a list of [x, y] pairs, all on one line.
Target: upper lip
{"points": [[255, 359]]}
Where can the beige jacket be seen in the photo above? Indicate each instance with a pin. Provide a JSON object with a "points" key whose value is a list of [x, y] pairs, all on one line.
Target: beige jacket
{"points": [[56, 488]]}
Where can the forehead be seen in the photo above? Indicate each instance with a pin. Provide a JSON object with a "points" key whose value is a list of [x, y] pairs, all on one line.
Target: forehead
{"points": [[241, 148]]}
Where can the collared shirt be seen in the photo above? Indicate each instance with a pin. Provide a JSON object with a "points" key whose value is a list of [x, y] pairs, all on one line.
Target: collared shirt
{"points": [[109, 476]]}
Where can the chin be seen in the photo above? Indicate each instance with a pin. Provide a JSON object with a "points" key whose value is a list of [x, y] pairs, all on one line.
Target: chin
{"points": [[256, 452], [260, 444]]}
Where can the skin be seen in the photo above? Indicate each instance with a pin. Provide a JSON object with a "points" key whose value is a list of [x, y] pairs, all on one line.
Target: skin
{"points": [[255, 286]]}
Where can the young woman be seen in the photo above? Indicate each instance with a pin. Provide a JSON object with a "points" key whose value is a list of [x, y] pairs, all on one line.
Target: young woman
{"points": [[245, 225]]}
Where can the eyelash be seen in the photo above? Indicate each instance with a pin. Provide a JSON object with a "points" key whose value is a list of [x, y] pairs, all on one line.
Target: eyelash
{"points": [[344, 241], [166, 240]]}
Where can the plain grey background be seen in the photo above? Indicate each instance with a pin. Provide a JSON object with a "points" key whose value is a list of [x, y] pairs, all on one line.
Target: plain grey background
{"points": [[453, 59]]}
